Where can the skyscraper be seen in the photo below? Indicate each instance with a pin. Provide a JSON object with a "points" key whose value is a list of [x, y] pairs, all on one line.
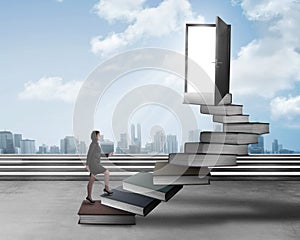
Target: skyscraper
{"points": [[132, 134], [172, 144], [62, 146], [123, 143], [27, 146], [17, 140], [259, 147], [7, 142], [139, 135], [68, 145], [275, 146], [159, 142]]}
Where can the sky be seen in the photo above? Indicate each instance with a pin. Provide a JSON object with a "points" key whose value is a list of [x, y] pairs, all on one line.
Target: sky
{"points": [[49, 48]]}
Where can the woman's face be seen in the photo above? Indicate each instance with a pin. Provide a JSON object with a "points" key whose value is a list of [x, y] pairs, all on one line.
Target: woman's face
{"points": [[98, 136]]}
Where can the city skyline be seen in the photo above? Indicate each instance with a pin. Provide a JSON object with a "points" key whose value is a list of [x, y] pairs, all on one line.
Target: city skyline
{"points": [[161, 143]]}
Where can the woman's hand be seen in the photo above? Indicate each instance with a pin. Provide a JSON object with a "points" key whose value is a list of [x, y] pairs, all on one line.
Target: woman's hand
{"points": [[110, 154]]}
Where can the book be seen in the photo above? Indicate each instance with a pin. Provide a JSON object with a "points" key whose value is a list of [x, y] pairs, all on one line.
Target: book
{"points": [[198, 98], [205, 98], [215, 148], [142, 183], [166, 173], [253, 127], [228, 137], [97, 213], [129, 201], [202, 160], [231, 119], [231, 109]]}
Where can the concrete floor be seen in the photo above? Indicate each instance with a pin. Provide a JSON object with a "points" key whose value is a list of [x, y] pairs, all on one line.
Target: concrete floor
{"points": [[223, 210]]}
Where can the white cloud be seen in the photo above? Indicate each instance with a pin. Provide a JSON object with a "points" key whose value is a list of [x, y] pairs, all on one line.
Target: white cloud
{"points": [[270, 63], [282, 107], [60, 1], [112, 10], [51, 88], [265, 9], [144, 22]]}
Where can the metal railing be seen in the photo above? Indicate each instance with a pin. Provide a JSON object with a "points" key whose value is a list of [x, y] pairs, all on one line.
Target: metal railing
{"points": [[72, 167]]}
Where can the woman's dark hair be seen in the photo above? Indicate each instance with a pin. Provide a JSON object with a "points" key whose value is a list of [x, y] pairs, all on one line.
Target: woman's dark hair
{"points": [[94, 135]]}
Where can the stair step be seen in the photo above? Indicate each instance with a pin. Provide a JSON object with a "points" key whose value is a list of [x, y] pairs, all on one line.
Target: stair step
{"points": [[129, 201], [142, 183], [205, 98], [231, 119], [172, 174], [198, 98], [215, 148], [98, 213], [202, 160], [228, 137], [226, 110], [253, 127]]}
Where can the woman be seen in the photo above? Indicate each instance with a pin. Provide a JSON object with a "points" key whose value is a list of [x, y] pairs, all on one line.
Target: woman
{"points": [[94, 166]]}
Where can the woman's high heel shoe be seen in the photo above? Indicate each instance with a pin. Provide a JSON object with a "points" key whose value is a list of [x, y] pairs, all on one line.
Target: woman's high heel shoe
{"points": [[108, 192], [90, 200]]}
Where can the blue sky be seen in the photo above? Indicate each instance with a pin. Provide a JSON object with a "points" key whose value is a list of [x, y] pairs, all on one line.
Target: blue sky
{"points": [[48, 48]]}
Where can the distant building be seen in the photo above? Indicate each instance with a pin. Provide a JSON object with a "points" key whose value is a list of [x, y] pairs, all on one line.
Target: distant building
{"points": [[139, 135], [28, 146], [82, 148], [149, 147], [286, 151], [121, 150], [136, 140], [132, 131], [43, 149], [172, 144], [160, 142], [275, 147], [17, 140], [134, 149], [194, 135], [62, 146], [7, 142], [68, 145], [123, 143], [259, 147], [54, 150]]}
